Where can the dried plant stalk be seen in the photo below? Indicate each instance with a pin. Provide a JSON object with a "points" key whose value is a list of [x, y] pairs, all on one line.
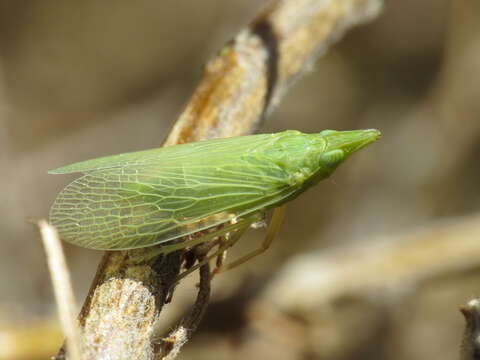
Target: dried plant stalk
{"points": [[239, 87], [391, 263], [62, 287]]}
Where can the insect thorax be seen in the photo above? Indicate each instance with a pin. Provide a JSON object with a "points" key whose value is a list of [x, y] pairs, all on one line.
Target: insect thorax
{"points": [[296, 154]]}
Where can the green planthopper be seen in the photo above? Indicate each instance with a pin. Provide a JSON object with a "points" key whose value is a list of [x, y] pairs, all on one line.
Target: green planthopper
{"points": [[176, 197]]}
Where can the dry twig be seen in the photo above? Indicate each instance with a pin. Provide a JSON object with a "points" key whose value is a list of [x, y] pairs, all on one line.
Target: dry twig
{"points": [[62, 287], [170, 345], [470, 349], [238, 88], [391, 264]]}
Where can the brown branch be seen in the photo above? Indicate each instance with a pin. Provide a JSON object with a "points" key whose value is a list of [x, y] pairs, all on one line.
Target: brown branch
{"points": [[389, 263], [470, 349], [170, 345], [238, 88]]}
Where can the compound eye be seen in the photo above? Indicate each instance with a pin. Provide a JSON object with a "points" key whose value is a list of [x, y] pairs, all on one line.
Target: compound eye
{"points": [[332, 158]]}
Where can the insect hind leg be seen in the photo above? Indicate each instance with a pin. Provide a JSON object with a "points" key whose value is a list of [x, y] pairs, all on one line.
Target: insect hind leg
{"points": [[272, 231]]}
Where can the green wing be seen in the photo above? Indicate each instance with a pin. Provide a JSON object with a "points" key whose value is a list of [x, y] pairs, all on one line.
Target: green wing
{"points": [[187, 153], [150, 197]]}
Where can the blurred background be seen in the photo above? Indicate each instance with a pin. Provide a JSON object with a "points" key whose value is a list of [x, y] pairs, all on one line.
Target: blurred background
{"points": [[371, 264]]}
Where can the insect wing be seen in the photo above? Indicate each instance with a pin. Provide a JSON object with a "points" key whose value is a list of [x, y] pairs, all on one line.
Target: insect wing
{"points": [[151, 202], [188, 153]]}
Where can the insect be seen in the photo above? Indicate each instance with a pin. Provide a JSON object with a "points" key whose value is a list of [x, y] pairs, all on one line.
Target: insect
{"points": [[196, 192]]}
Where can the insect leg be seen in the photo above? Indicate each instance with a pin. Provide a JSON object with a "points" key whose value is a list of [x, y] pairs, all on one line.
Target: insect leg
{"points": [[152, 252], [226, 242], [238, 233], [221, 256], [222, 251], [272, 231]]}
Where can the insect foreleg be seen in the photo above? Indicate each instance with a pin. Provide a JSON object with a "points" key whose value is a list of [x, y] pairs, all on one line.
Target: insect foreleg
{"points": [[272, 231]]}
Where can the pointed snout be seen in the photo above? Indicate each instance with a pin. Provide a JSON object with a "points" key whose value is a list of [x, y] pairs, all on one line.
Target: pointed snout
{"points": [[349, 141]]}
